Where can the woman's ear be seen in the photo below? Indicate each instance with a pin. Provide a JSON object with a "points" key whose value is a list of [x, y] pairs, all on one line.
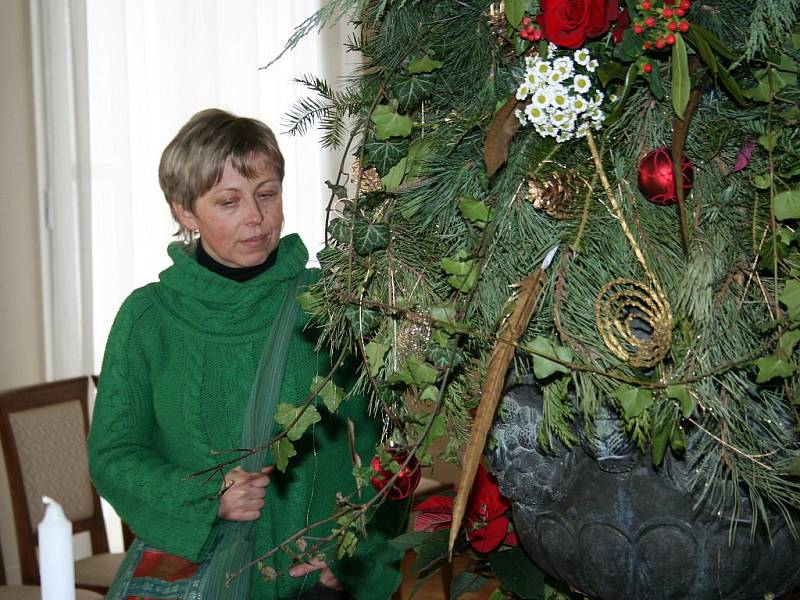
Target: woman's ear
{"points": [[183, 215]]}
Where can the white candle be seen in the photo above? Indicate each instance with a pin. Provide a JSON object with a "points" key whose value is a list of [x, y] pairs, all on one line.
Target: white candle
{"points": [[56, 563]]}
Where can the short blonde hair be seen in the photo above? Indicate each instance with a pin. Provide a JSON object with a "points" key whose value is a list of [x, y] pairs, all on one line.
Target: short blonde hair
{"points": [[192, 163]]}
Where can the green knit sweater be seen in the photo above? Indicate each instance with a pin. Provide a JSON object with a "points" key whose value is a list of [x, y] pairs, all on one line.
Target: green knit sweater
{"points": [[177, 371]]}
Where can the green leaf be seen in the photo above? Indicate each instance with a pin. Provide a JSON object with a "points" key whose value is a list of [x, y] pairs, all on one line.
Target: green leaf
{"points": [[463, 273], [790, 297], [331, 394], [375, 352], [409, 90], [475, 211], [385, 154], [793, 470], [518, 573], [414, 372], [633, 401], [773, 366], [611, 71], [392, 180], [769, 140], [310, 303], [684, 398], [282, 451], [339, 230], [424, 65], [363, 320], [680, 76], [788, 341], [545, 367], [430, 393], [418, 153], [660, 441], [286, 413], [466, 582], [678, 440], [389, 124], [369, 237], [498, 595], [656, 84], [787, 205], [432, 550], [627, 88], [347, 544], [703, 48], [762, 182], [407, 541], [713, 41], [515, 10], [338, 190]]}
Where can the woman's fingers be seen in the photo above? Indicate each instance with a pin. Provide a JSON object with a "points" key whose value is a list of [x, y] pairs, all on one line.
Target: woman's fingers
{"points": [[243, 495]]}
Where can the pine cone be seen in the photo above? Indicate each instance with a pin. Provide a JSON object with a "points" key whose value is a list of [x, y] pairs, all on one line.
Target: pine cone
{"points": [[370, 179], [498, 25], [555, 194]]}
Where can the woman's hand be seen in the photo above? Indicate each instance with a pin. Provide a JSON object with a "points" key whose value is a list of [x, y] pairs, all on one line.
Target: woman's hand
{"points": [[326, 578], [243, 494]]}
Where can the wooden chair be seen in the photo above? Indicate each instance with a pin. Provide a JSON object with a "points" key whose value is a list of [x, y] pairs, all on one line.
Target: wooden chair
{"points": [[44, 429]]}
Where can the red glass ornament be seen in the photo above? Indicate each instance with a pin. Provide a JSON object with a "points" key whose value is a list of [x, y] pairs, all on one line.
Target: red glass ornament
{"points": [[407, 479], [656, 180]]}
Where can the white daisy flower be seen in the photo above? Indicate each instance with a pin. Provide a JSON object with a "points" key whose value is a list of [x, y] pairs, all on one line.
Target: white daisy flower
{"points": [[523, 92], [558, 97], [564, 65], [555, 76], [581, 84], [531, 78], [540, 98], [579, 104], [542, 69], [535, 114], [593, 64], [582, 56]]}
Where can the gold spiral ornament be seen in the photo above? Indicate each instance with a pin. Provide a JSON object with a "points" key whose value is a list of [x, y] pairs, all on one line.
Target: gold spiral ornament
{"points": [[634, 322]]}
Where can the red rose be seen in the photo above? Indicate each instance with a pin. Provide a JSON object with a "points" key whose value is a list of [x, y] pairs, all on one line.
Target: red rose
{"points": [[569, 23]]}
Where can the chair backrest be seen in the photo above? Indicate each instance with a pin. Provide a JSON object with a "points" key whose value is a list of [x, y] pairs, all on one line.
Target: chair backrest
{"points": [[43, 429]]}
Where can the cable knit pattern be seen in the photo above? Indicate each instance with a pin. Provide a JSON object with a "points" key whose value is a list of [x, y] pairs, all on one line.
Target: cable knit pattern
{"points": [[179, 363]]}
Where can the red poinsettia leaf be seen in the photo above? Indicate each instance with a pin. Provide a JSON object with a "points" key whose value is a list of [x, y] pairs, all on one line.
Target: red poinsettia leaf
{"points": [[436, 504], [511, 539], [489, 536], [485, 501], [426, 521]]}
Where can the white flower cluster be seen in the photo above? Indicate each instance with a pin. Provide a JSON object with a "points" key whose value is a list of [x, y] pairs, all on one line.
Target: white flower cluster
{"points": [[562, 102]]}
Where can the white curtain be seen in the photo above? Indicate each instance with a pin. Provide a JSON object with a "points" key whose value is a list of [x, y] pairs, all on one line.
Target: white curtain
{"points": [[154, 63]]}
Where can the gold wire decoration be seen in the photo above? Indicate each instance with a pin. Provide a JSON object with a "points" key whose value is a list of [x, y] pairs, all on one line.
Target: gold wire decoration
{"points": [[633, 322], [621, 301], [370, 179]]}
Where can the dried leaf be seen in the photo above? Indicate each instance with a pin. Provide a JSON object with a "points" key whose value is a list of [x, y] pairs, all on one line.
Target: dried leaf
{"points": [[501, 132]]}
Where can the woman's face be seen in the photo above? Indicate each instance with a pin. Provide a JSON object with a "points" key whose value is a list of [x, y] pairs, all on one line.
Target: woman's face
{"points": [[239, 219]]}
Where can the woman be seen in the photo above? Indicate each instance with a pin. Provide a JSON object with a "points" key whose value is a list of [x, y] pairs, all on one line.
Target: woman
{"points": [[180, 362]]}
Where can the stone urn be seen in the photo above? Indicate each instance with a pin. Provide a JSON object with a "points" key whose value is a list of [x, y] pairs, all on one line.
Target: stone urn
{"points": [[601, 518]]}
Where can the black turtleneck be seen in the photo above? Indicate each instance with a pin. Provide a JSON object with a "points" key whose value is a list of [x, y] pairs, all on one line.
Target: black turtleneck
{"points": [[239, 274]]}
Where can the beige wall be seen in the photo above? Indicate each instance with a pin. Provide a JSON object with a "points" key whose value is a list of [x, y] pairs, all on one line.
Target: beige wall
{"points": [[21, 332]]}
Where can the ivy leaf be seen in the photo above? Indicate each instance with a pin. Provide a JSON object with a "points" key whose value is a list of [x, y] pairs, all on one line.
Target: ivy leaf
{"points": [[282, 451], [385, 154], [462, 271], [544, 367], [363, 320], [788, 341], [515, 10], [633, 401], [331, 394], [414, 372], [388, 123], [347, 544], [787, 205], [773, 366], [424, 65], [339, 230], [769, 140], [466, 582], [392, 180], [518, 573], [409, 90], [369, 237], [418, 153], [684, 398], [475, 211], [286, 413], [660, 440], [375, 352], [790, 297], [430, 393], [680, 76]]}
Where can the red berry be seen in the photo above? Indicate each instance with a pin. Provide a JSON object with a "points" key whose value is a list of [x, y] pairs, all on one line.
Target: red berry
{"points": [[646, 5], [660, 43], [537, 35], [670, 39], [647, 68], [526, 21], [683, 26], [672, 26], [650, 21], [667, 13], [647, 45], [685, 4], [637, 29], [523, 34], [679, 12]]}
